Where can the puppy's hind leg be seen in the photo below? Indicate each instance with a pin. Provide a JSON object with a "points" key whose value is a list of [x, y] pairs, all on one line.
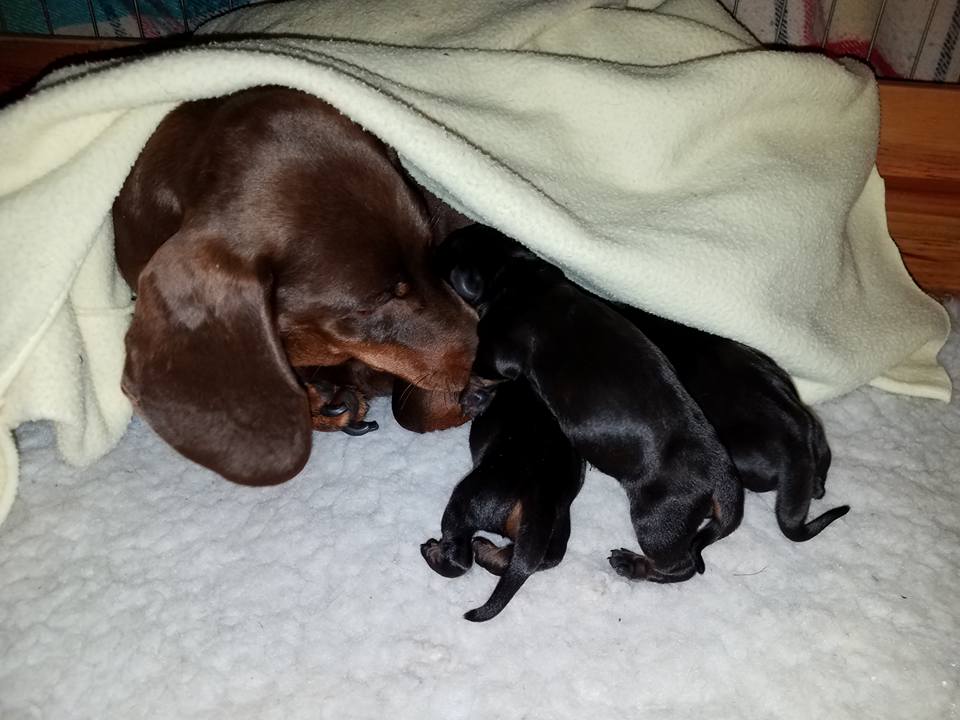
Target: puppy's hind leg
{"points": [[627, 563], [452, 555], [633, 566], [490, 557], [630, 565], [558, 542], [684, 569], [496, 559], [822, 458], [665, 530]]}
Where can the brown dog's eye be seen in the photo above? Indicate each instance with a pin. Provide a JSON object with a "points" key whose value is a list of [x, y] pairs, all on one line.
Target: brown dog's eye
{"points": [[401, 289]]}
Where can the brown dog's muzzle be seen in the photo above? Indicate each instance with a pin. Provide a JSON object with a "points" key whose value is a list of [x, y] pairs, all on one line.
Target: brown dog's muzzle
{"points": [[433, 347], [445, 368]]}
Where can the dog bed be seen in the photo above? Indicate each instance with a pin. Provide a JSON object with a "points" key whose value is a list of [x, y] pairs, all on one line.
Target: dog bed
{"points": [[146, 587]]}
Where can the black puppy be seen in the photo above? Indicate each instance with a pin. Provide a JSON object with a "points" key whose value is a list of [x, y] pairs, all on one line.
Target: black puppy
{"points": [[775, 441], [612, 391], [525, 476]]}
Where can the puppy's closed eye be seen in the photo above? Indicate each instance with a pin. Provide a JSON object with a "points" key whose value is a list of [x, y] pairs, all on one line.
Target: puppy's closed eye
{"points": [[467, 283]]}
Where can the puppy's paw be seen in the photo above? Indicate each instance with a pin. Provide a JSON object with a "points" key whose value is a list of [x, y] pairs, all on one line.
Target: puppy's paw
{"points": [[430, 550], [439, 559], [630, 565]]}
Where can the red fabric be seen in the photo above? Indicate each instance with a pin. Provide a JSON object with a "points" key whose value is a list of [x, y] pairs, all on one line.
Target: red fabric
{"points": [[810, 8], [857, 47]]}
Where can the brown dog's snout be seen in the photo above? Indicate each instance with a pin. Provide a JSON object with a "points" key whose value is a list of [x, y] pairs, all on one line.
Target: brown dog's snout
{"points": [[460, 340], [457, 363], [445, 368], [440, 345]]}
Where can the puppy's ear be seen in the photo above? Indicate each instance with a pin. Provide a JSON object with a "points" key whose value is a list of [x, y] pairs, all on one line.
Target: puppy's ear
{"points": [[205, 366], [467, 283]]}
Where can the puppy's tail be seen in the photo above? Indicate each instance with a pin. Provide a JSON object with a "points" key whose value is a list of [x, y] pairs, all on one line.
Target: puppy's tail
{"points": [[726, 516], [510, 582], [793, 498], [791, 519], [529, 550]]}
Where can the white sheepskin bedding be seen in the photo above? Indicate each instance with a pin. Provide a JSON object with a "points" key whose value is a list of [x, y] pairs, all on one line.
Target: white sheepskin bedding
{"points": [[147, 587]]}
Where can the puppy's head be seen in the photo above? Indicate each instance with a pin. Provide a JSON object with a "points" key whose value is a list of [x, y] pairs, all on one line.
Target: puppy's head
{"points": [[473, 258]]}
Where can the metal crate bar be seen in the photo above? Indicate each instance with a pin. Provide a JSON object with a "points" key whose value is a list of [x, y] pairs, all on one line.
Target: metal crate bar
{"points": [[826, 30], [136, 11], [93, 19], [46, 16], [184, 15], [780, 22], [876, 30], [923, 39]]}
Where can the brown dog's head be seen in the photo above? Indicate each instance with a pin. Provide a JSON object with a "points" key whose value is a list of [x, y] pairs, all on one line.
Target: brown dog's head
{"points": [[296, 241]]}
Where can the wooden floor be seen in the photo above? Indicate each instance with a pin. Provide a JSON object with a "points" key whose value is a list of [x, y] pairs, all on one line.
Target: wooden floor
{"points": [[919, 155]]}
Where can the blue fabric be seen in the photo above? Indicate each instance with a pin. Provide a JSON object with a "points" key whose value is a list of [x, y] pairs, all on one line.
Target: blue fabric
{"points": [[114, 18]]}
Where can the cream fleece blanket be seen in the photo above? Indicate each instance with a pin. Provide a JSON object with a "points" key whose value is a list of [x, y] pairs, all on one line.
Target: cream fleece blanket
{"points": [[647, 148]]}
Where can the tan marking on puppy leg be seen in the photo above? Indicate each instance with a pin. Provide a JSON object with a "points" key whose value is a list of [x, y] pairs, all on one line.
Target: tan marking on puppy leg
{"points": [[511, 526]]}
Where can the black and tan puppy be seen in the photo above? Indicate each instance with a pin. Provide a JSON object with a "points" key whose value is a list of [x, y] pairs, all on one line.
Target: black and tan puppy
{"points": [[774, 440], [614, 394], [525, 476]]}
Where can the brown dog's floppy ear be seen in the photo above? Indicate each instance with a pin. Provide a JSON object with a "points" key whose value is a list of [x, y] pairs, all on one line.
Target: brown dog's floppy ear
{"points": [[205, 366]]}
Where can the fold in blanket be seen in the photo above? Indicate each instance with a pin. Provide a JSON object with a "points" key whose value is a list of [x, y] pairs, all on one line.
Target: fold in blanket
{"points": [[653, 152]]}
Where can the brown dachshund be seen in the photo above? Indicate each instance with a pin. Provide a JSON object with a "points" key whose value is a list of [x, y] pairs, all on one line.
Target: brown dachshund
{"points": [[280, 259]]}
